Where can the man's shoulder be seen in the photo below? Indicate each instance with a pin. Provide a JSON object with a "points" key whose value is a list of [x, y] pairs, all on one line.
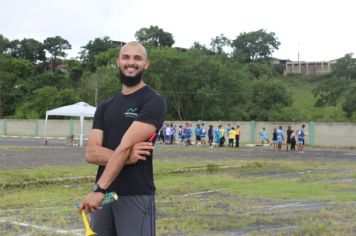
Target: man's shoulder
{"points": [[103, 105]]}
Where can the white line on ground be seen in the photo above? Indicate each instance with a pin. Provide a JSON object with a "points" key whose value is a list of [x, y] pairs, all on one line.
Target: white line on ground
{"points": [[203, 192], [43, 228]]}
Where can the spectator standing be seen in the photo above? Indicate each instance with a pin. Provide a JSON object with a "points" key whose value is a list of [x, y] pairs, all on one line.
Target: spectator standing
{"points": [[211, 135], [202, 134], [289, 134], [301, 140], [280, 137], [237, 136], [232, 136]]}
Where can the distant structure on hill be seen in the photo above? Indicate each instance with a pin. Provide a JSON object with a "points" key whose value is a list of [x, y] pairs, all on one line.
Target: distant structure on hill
{"points": [[308, 68]]}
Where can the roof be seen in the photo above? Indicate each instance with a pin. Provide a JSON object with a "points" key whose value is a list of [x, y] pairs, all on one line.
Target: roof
{"points": [[78, 109]]}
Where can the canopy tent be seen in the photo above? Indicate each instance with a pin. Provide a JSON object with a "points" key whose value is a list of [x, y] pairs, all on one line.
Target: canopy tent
{"points": [[80, 109]]}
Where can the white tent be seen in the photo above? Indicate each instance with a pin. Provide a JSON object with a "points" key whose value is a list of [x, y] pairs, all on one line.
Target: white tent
{"points": [[80, 109]]}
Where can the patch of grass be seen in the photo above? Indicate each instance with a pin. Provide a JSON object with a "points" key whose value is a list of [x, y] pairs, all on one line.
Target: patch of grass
{"points": [[257, 197], [9, 177]]}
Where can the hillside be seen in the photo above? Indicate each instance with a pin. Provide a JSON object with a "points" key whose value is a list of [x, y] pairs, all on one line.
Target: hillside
{"points": [[303, 101]]}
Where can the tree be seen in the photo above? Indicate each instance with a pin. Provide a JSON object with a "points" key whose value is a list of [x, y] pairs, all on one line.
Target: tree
{"points": [[219, 43], [44, 99], [154, 37], [349, 104], [202, 48], [31, 50], [13, 74], [4, 43], [254, 46], [56, 46], [345, 67], [197, 85], [339, 87], [268, 97], [94, 48]]}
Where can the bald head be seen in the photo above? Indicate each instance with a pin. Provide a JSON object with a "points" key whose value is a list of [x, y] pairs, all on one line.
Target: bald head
{"points": [[134, 44]]}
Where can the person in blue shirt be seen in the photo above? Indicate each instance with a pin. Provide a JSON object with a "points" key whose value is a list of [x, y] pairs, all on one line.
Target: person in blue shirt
{"points": [[202, 134], [280, 137], [301, 135], [264, 136], [188, 134], [211, 135], [217, 135], [197, 134]]}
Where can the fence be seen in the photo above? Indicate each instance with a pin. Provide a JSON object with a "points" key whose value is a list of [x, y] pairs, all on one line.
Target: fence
{"points": [[317, 133]]}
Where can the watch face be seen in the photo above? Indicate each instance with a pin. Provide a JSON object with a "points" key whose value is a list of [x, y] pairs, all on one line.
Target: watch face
{"points": [[95, 187]]}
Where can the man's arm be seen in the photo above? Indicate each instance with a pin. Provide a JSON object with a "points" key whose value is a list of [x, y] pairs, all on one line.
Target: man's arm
{"points": [[137, 132], [97, 154]]}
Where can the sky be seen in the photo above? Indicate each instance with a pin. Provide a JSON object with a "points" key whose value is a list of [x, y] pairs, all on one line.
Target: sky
{"points": [[314, 30]]}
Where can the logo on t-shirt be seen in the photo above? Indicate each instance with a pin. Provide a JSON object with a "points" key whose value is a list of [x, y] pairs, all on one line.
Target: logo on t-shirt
{"points": [[131, 113]]}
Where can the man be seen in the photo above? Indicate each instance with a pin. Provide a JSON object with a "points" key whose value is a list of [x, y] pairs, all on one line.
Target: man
{"points": [[264, 136], [237, 136], [232, 135], [197, 134], [301, 135], [202, 134], [128, 118], [289, 137], [280, 138]]}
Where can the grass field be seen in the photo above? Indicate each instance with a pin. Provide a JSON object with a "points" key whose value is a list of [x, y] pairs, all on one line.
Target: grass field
{"points": [[304, 100], [201, 191]]}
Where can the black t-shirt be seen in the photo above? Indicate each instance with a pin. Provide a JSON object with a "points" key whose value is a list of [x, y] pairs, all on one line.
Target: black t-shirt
{"points": [[114, 117]]}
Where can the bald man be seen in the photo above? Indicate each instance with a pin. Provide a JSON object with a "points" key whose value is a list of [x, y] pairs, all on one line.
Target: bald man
{"points": [[121, 126]]}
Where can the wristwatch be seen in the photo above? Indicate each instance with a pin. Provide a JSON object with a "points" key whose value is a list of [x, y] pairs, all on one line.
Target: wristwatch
{"points": [[98, 189]]}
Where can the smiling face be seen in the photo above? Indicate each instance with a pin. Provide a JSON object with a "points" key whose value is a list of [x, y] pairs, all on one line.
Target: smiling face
{"points": [[132, 59]]}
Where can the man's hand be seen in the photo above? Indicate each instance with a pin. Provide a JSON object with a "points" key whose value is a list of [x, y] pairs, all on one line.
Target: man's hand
{"points": [[139, 152], [92, 202]]}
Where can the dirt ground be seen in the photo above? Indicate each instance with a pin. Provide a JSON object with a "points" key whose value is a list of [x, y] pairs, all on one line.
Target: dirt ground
{"points": [[30, 153]]}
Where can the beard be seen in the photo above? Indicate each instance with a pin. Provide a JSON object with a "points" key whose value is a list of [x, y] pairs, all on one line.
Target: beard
{"points": [[130, 81]]}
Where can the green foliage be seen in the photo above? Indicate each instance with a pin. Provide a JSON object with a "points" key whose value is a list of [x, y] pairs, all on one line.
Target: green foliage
{"points": [[13, 75], [92, 52], [345, 67], [56, 46], [254, 46], [219, 44], [349, 105], [154, 37], [259, 70], [340, 87], [44, 99], [28, 49], [199, 83], [4, 43], [268, 100], [99, 86]]}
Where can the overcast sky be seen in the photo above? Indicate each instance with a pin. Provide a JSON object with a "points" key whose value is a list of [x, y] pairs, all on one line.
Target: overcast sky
{"points": [[319, 30]]}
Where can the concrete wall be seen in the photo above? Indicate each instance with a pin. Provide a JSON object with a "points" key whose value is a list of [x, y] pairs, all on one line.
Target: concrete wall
{"points": [[317, 134]]}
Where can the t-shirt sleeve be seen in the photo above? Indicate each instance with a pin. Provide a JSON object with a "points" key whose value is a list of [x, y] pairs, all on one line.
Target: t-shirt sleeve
{"points": [[98, 122], [153, 111]]}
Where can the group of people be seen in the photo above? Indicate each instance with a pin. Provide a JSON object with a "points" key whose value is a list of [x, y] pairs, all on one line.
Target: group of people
{"points": [[200, 133], [293, 138]]}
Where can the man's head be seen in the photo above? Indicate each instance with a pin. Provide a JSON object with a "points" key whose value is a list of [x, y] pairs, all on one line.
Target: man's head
{"points": [[132, 61]]}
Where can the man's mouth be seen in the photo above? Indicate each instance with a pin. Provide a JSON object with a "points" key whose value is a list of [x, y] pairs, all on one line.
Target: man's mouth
{"points": [[131, 68]]}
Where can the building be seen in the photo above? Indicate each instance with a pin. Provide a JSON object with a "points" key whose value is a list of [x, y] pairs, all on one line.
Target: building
{"points": [[308, 68]]}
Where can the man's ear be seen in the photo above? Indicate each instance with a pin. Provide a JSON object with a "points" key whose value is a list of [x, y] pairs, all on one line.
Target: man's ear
{"points": [[117, 61], [147, 64]]}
